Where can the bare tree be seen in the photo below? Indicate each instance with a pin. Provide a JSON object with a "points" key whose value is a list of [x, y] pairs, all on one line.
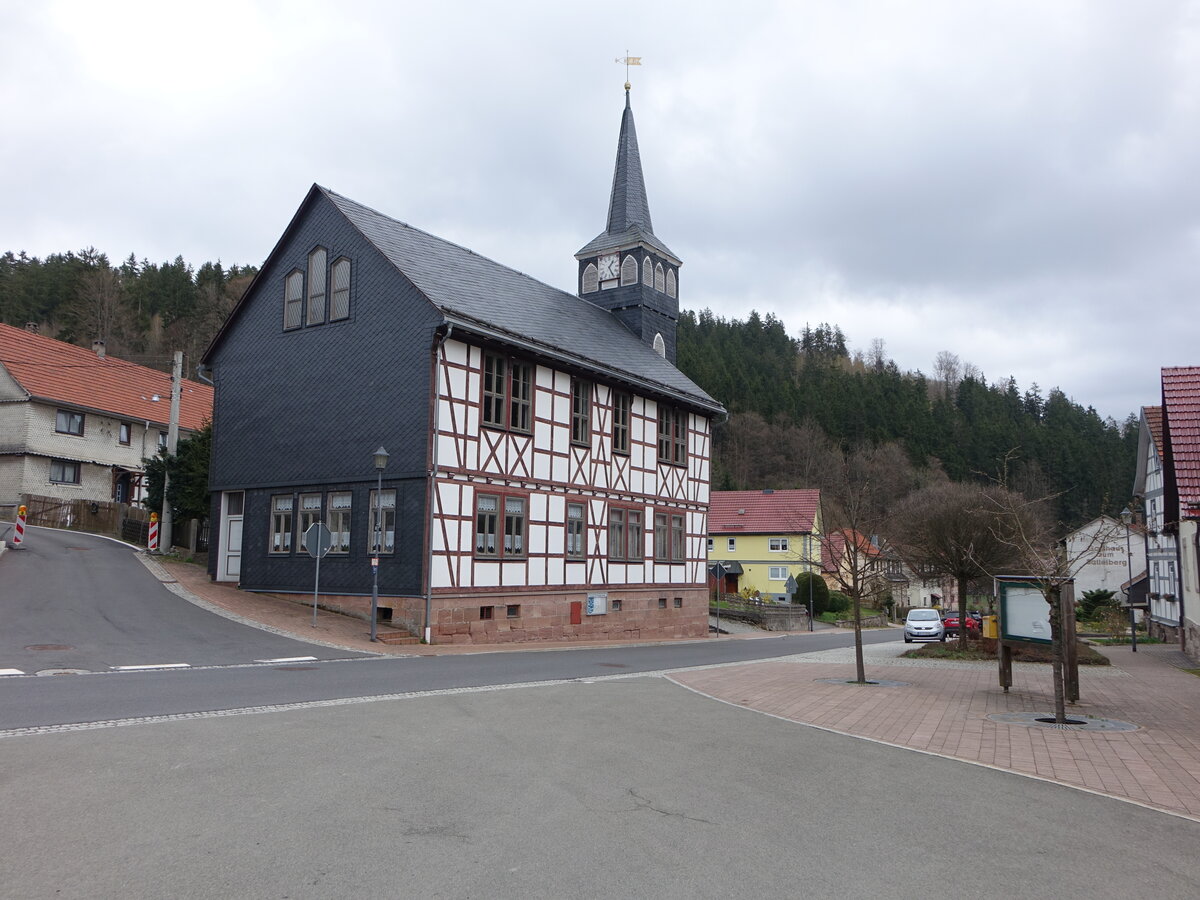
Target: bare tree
{"points": [[954, 529], [947, 371]]}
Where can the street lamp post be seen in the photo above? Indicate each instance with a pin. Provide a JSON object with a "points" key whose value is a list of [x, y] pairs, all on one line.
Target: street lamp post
{"points": [[381, 458], [1127, 520]]}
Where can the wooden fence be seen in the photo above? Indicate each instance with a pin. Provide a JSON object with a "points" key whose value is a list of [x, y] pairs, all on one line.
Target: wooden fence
{"points": [[129, 523]]}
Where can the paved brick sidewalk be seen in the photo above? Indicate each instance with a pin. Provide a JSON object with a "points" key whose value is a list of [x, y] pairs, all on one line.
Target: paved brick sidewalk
{"points": [[943, 709]]}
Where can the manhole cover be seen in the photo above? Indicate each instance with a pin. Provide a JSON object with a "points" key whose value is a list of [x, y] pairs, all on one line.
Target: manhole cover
{"points": [[49, 647], [1073, 723], [64, 672]]}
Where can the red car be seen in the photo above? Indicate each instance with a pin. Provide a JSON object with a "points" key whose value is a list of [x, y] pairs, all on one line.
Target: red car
{"points": [[950, 623]]}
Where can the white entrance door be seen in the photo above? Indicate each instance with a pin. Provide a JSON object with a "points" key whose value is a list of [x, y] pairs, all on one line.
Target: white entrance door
{"points": [[229, 568]]}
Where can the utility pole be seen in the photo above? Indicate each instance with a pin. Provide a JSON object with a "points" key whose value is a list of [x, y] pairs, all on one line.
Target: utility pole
{"points": [[172, 441]]}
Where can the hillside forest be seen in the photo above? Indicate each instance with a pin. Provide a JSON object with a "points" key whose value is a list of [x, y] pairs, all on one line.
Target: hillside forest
{"points": [[799, 406]]}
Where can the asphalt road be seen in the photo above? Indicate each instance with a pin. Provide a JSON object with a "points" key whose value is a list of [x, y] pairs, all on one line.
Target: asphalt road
{"points": [[618, 788]]}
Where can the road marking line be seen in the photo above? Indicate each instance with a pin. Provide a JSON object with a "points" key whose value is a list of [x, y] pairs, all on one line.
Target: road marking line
{"points": [[11, 672], [152, 666], [288, 659]]}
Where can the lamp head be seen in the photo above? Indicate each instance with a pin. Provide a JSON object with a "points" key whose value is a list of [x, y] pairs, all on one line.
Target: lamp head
{"points": [[1126, 516], [381, 458]]}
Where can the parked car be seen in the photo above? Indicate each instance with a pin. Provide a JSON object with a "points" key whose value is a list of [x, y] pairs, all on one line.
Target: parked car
{"points": [[950, 623], [923, 625]]}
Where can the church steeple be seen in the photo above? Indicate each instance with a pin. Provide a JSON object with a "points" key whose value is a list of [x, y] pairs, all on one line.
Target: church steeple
{"points": [[626, 268]]}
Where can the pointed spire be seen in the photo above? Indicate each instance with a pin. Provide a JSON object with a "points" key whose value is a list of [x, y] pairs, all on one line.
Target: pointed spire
{"points": [[628, 206]]}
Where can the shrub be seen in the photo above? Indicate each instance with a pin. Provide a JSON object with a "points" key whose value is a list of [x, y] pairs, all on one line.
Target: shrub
{"points": [[820, 592], [1095, 604], [838, 602]]}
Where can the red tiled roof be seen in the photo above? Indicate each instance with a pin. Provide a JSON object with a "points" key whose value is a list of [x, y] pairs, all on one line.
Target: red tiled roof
{"points": [[75, 376], [1181, 407], [835, 544], [762, 512], [1153, 416]]}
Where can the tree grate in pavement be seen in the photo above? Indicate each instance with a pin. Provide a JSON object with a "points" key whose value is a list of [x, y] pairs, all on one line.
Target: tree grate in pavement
{"points": [[1074, 723], [873, 682]]}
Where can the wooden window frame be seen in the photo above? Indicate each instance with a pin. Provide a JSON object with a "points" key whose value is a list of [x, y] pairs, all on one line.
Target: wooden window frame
{"points": [[672, 435], [293, 300], [622, 404], [125, 434], [66, 466], [576, 532], [340, 520], [307, 516], [581, 411], [339, 297], [502, 526], [377, 511], [314, 307], [281, 525], [626, 533], [506, 393]]}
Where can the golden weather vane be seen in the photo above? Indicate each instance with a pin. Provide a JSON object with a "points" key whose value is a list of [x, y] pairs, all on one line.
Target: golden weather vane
{"points": [[628, 61]]}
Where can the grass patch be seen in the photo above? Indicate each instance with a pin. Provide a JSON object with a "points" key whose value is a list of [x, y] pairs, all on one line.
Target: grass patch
{"points": [[985, 649]]}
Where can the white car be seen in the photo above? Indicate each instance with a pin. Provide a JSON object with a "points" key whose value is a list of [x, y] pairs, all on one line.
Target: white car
{"points": [[923, 625]]}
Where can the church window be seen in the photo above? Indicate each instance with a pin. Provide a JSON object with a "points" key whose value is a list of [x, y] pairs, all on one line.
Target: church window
{"points": [[581, 411], [629, 271], [670, 282], [339, 308], [672, 436], [316, 287], [293, 300], [660, 346], [660, 283], [647, 271], [620, 422], [591, 279]]}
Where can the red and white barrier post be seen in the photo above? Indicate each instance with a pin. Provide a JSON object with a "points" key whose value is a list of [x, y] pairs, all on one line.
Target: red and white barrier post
{"points": [[19, 526], [153, 542]]}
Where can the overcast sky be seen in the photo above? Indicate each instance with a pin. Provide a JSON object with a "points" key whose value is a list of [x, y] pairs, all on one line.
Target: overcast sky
{"points": [[1015, 182]]}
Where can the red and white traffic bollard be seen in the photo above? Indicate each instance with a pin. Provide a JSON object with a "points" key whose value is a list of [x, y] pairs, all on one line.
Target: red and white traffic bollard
{"points": [[19, 527], [153, 542]]}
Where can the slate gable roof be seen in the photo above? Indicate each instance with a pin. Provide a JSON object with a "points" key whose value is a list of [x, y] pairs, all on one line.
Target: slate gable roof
{"points": [[763, 512], [61, 373], [486, 297], [1181, 415]]}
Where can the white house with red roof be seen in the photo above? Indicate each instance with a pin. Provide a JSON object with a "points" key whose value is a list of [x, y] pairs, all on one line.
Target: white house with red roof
{"points": [[1181, 490], [761, 538], [1162, 554], [76, 424]]}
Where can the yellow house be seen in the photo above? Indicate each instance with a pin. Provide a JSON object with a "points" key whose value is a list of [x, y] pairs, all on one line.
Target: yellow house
{"points": [[758, 539]]}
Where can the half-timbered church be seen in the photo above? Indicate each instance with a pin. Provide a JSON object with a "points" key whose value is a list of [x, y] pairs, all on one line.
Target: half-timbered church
{"points": [[547, 469]]}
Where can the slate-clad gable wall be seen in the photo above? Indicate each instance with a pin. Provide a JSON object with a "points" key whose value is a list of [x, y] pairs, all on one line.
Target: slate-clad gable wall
{"points": [[303, 410]]}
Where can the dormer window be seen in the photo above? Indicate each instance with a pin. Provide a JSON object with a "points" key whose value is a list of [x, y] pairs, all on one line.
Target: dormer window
{"points": [[629, 271], [316, 287], [591, 279]]}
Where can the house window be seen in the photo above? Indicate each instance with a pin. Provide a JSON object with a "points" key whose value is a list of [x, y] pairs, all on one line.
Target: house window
{"points": [[710, 545], [591, 279], [662, 602], [281, 523], [338, 519], [64, 471], [647, 272], [383, 521], [678, 603], [339, 307], [581, 409], [503, 380], [487, 525], [162, 440], [620, 422], [575, 523], [777, 544], [672, 436], [124, 433], [615, 605], [310, 514], [520, 414], [629, 271], [513, 610], [660, 282], [676, 538], [67, 422], [316, 287], [731, 545], [485, 612], [293, 299], [777, 573], [670, 282], [625, 540]]}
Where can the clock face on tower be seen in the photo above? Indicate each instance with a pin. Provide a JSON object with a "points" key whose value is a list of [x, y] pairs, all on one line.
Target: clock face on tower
{"points": [[608, 266]]}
